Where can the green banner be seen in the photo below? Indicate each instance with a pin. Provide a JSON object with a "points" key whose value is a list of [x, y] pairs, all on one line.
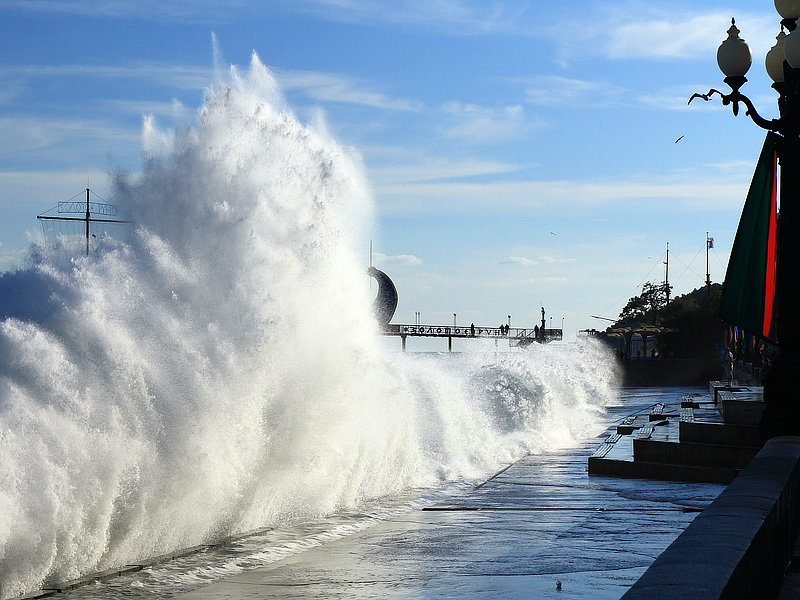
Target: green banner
{"points": [[748, 292]]}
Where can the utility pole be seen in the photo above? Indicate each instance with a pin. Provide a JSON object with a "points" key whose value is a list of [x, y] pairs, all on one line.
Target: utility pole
{"points": [[709, 245], [87, 221], [80, 208], [666, 274]]}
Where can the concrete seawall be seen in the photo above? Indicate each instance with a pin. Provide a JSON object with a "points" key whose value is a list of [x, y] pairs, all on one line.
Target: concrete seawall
{"points": [[666, 372], [738, 547]]}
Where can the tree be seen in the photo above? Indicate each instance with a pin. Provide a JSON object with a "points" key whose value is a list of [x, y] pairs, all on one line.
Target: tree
{"points": [[695, 324], [646, 306]]}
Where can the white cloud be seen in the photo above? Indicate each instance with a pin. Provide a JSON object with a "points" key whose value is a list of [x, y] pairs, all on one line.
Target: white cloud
{"points": [[174, 110], [184, 77], [487, 125], [518, 260], [20, 134], [564, 92], [635, 30], [321, 87], [678, 37], [550, 260], [204, 11], [11, 260], [557, 196], [431, 168], [457, 17], [37, 191], [548, 280], [398, 259], [339, 88]]}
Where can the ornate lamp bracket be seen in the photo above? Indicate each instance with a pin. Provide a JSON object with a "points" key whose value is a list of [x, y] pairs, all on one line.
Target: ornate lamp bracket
{"points": [[734, 98]]}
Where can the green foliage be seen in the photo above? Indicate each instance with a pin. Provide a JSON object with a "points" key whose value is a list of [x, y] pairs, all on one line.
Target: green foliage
{"points": [[645, 307], [694, 319]]}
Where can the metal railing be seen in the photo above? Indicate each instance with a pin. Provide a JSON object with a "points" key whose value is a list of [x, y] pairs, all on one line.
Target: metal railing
{"points": [[445, 331]]}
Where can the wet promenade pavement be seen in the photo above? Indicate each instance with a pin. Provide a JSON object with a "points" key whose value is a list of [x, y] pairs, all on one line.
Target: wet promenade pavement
{"points": [[542, 521]]}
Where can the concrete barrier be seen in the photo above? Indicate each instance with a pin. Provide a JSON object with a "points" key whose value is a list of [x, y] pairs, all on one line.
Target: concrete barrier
{"points": [[739, 546]]}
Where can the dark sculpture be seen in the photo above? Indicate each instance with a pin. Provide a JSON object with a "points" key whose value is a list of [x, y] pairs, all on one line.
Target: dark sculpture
{"points": [[385, 302]]}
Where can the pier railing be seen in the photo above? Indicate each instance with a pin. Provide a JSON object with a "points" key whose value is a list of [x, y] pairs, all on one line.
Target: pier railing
{"points": [[516, 336]]}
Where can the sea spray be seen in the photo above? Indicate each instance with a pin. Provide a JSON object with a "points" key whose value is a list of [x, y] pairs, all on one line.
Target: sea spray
{"points": [[219, 370]]}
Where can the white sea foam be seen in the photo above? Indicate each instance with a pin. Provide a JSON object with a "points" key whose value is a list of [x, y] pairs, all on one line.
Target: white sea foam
{"points": [[220, 370]]}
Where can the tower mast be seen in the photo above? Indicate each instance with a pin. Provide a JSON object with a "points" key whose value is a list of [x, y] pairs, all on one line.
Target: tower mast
{"points": [[87, 221], [709, 245], [666, 273]]}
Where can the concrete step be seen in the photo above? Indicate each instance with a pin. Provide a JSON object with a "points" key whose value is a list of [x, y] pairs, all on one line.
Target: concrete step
{"points": [[689, 453], [661, 471], [720, 433]]}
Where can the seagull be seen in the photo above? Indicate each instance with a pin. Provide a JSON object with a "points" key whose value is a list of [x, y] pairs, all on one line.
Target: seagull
{"points": [[551, 233], [679, 139]]}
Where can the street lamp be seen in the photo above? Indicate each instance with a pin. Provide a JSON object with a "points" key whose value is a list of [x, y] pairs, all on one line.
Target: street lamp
{"points": [[782, 412]]}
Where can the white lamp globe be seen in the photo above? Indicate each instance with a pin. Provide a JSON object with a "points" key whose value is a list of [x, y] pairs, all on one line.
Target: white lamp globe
{"points": [[774, 59], [788, 9], [733, 55], [791, 49]]}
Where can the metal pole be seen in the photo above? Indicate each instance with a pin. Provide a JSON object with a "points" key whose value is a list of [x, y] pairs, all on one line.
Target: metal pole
{"points": [[708, 275], [788, 259], [87, 221], [666, 273]]}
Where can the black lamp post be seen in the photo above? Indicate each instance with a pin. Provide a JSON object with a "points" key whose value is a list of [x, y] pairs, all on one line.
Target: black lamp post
{"points": [[781, 386]]}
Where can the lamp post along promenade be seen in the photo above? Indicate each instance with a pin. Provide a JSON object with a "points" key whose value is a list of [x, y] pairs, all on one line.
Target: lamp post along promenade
{"points": [[781, 391]]}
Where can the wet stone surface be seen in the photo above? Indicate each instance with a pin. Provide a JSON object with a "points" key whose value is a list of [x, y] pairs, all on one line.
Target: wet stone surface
{"points": [[541, 521]]}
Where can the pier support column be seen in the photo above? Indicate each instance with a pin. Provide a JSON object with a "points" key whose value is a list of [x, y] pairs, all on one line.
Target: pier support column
{"points": [[403, 340], [450, 344]]}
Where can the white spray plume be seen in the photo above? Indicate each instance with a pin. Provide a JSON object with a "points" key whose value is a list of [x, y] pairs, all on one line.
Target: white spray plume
{"points": [[220, 370]]}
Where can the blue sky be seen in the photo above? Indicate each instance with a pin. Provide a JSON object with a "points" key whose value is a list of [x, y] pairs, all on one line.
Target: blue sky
{"points": [[520, 153]]}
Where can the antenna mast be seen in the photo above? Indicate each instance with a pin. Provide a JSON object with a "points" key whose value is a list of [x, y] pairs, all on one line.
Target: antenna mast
{"points": [[87, 221], [709, 245], [81, 208], [666, 274]]}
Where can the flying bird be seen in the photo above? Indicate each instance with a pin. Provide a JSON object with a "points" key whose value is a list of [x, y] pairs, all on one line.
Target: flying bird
{"points": [[551, 233], [679, 139]]}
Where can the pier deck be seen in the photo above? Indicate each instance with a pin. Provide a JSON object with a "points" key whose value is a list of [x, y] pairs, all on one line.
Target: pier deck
{"points": [[516, 336]]}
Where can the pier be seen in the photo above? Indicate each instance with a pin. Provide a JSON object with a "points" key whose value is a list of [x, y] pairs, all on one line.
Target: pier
{"points": [[385, 304], [516, 336]]}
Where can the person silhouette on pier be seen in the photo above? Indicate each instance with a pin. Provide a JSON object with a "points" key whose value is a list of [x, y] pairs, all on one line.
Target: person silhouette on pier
{"points": [[472, 330]]}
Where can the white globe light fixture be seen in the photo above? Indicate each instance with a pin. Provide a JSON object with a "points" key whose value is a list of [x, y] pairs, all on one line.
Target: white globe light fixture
{"points": [[774, 59], [734, 58], [791, 49], [788, 9]]}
